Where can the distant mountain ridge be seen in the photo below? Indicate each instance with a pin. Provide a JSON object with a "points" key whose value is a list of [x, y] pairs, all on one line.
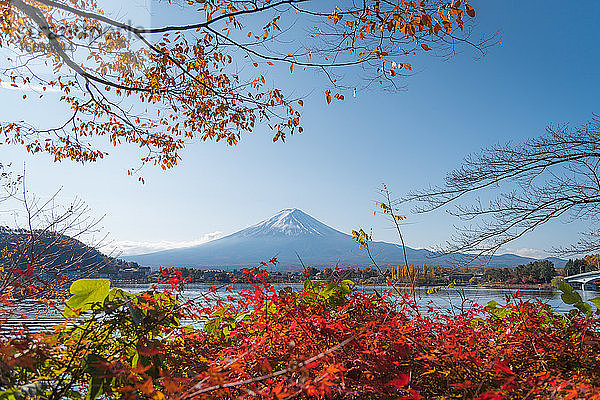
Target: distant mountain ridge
{"points": [[291, 235], [54, 255]]}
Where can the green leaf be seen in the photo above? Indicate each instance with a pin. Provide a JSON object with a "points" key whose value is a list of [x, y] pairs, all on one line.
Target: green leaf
{"points": [[565, 287], [327, 291], [86, 293], [571, 297], [347, 286], [116, 293], [12, 394], [135, 360], [493, 304], [584, 307], [95, 388], [596, 302], [227, 328]]}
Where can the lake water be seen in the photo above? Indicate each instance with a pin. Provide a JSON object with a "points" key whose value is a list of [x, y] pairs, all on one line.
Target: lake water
{"points": [[445, 300]]}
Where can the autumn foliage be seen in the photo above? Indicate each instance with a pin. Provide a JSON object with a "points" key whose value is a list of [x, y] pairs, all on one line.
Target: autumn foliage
{"points": [[325, 341], [157, 87]]}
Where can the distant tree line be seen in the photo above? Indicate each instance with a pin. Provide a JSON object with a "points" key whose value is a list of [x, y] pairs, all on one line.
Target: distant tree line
{"points": [[581, 265], [534, 272]]}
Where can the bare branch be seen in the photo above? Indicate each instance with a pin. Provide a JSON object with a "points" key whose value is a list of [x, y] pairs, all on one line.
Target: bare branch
{"points": [[554, 176]]}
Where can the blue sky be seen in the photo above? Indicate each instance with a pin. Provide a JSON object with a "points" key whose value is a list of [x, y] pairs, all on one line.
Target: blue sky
{"points": [[544, 71]]}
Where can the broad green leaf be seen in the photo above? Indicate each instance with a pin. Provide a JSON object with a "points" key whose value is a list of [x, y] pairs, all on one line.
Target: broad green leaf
{"points": [[136, 359], [227, 328], [85, 293], [571, 297], [347, 286], [493, 304], [565, 287], [327, 291], [95, 388], [116, 293]]}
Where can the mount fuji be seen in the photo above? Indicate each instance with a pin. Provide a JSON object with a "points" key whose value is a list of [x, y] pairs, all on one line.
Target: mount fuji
{"points": [[290, 235]]}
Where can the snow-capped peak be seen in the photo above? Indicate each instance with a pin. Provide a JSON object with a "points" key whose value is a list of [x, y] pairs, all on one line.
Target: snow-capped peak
{"points": [[289, 222]]}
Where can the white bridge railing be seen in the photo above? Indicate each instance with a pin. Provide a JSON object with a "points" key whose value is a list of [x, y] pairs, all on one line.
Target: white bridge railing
{"points": [[584, 278]]}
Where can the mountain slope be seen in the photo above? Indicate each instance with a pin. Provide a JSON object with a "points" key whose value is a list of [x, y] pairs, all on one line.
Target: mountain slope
{"points": [[52, 255], [292, 234]]}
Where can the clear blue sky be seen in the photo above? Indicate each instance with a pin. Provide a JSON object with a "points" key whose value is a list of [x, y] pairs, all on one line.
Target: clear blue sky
{"points": [[545, 71]]}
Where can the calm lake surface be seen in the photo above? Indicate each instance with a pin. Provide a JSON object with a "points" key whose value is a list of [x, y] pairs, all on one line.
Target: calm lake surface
{"points": [[446, 300]]}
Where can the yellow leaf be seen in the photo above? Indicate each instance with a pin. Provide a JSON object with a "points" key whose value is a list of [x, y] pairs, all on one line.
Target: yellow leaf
{"points": [[158, 396]]}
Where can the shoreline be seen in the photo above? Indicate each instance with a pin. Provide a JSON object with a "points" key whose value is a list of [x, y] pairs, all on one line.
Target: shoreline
{"points": [[539, 286]]}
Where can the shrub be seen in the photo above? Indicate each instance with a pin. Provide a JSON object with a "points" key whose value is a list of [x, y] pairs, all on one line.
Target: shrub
{"points": [[325, 341]]}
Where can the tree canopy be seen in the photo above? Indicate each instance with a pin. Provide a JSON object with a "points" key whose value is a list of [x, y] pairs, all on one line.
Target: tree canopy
{"points": [[541, 271], [581, 265], [158, 87]]}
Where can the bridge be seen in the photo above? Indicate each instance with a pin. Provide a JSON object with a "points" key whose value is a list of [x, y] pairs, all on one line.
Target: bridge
{"points": [[583, 279]]}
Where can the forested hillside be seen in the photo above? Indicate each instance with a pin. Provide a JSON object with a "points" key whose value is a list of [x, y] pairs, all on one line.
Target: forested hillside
{"points": [[50, 255]]}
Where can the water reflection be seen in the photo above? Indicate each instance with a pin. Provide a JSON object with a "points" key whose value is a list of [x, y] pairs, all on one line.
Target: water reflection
{"points": [[445, 300]]}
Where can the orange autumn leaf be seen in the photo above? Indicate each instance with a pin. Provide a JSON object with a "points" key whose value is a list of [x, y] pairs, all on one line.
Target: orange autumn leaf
{"points": [[470, 10]]}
